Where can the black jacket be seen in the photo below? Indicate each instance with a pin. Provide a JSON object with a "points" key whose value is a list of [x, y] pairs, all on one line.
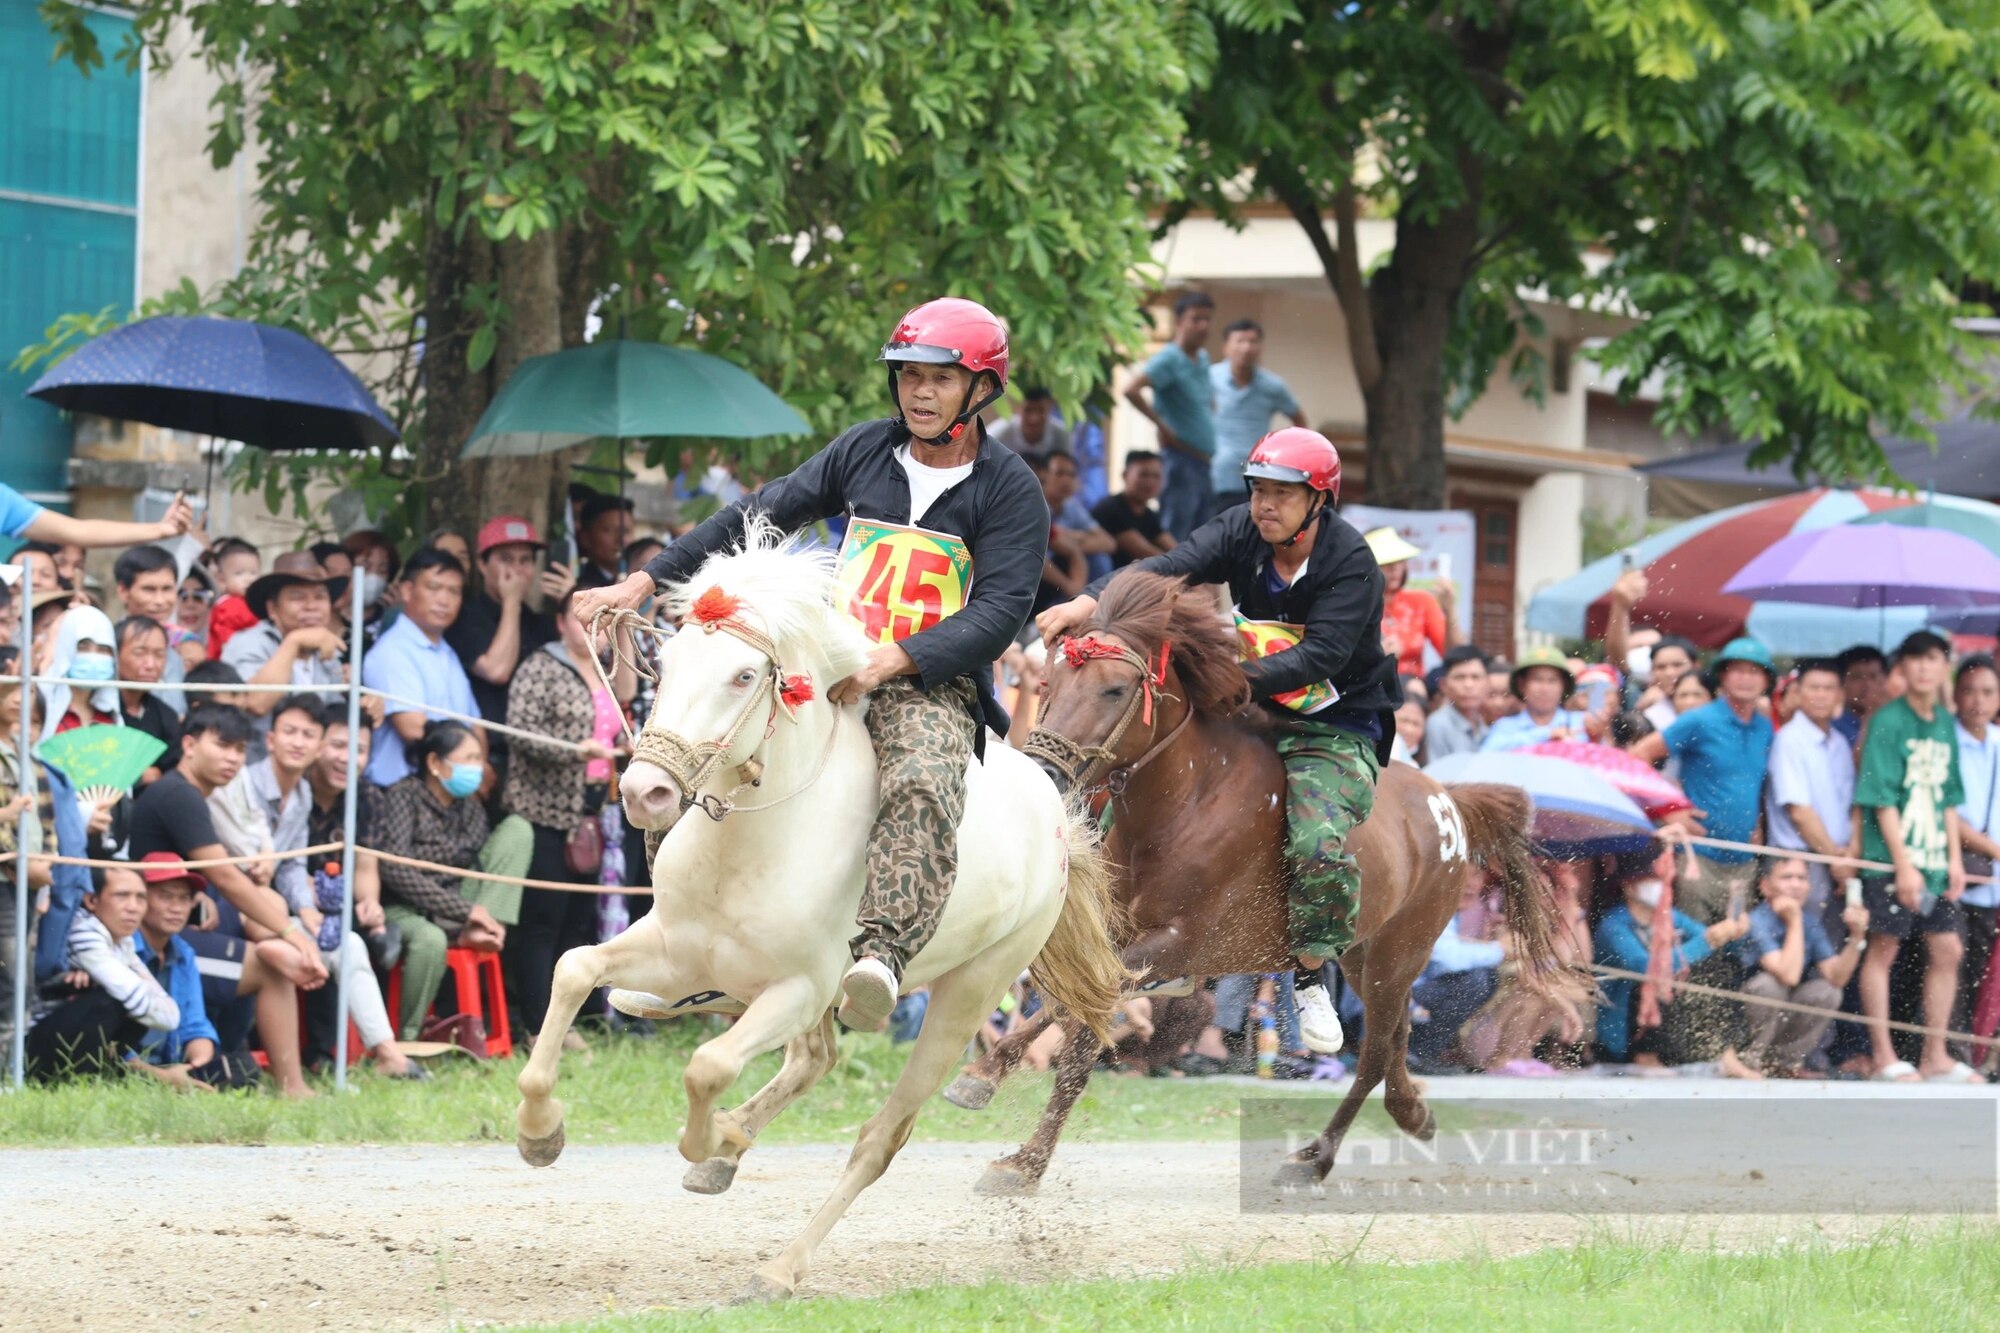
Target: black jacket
{"points": [[1338, 599], [998, 511]]}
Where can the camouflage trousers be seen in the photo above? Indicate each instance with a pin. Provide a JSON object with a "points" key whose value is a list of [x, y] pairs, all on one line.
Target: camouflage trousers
{"points": [[923, 742], [1330, 780]]}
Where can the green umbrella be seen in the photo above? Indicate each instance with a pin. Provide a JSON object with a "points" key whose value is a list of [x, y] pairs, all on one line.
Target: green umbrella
{"points": [[1950, 513], [624, 389], [101, 757]]}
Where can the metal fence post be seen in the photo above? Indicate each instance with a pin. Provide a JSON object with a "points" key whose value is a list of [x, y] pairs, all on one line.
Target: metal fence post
{"points": [[350, 814], [24, 919]]}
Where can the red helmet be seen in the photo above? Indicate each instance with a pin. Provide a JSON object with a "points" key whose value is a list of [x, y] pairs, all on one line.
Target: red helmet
{"points": [[1296, 454], [951, 331]]}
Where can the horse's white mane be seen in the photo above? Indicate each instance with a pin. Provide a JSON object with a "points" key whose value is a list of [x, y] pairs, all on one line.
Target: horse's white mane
{"points": [[787, 587]]}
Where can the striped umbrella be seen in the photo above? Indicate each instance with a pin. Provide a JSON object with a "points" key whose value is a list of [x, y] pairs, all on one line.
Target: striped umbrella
{"points": [[1687, 565], [1654, 792]]}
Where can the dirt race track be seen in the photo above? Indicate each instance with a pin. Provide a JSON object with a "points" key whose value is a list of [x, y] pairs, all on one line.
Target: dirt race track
{"points": [[424, 1237]]}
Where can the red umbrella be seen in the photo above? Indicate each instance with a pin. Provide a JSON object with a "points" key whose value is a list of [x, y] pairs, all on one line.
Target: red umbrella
{"points": [[1657, 795]]}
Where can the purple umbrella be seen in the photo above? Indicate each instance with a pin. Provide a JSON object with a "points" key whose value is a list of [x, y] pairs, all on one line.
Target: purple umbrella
{"points": [[1858, 565]]}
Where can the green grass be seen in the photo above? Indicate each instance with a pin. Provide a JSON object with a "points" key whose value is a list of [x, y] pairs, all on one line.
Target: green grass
{"points": [[624, 1091], [1902, 1279]]}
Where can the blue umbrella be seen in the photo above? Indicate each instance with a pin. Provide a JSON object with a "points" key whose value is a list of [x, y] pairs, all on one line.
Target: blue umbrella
{"points": [[256, 383], [1577, 813]]}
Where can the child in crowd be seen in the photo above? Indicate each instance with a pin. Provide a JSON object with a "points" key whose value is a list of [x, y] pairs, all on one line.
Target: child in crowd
{"points": [[236, 566], [184, 1055], [216, 673], [113, 999]]}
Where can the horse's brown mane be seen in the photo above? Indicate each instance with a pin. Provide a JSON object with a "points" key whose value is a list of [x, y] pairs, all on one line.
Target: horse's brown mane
{"points": [[1146, 610]]}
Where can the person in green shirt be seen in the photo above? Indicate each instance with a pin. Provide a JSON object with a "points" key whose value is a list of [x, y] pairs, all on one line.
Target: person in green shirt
{"points": [[1909, 792]]}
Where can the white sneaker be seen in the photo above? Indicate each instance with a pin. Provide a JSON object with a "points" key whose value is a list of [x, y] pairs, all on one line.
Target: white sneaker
{"points": [[869, 989], [1319, 1025]]}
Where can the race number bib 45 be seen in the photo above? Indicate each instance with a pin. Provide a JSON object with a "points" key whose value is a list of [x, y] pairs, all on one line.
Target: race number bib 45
{"points": [[896, 581], [1259, 639]]}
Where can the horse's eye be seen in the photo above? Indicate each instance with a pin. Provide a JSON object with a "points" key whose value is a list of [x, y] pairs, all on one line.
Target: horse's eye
{"points": [[1115, 692], [745, 676]]}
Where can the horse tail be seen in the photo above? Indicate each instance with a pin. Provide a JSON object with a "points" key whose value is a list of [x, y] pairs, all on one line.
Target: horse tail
{"points": [[1079, 969], [1497, 836]]}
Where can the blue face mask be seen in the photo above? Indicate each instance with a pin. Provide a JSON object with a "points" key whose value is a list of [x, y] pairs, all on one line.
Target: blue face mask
{"points": [[92, 666], [464, 779]]}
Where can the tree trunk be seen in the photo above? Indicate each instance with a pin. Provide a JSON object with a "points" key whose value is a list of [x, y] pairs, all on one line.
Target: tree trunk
{"points": [[530, 293], [455, 395], [1413, 299]]}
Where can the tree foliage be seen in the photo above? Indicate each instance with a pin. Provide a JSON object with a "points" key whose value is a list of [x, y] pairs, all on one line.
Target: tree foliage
{"points": [[1791, 197], [458, 185]]}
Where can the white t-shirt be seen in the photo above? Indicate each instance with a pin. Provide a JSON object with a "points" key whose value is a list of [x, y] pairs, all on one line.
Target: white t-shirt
{"points": [[928, 483]]}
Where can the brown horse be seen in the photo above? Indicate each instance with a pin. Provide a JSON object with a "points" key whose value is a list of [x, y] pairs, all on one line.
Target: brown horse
{"points": [[1150, 706]]}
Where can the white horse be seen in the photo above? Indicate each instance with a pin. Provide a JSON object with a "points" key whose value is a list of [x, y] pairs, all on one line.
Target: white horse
{"points": [[755, 901]]}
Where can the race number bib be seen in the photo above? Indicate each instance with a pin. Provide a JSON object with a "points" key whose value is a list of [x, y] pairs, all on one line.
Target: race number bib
{"points": [[896, 581], [1257, 639]]}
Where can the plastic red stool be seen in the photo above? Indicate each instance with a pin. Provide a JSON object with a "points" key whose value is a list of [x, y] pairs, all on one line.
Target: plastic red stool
{"points": [[469, 968]]}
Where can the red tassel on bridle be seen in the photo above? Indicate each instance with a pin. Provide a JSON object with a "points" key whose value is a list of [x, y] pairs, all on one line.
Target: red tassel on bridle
{"points": [[796, 690], [1077, 651], [713, 607]]}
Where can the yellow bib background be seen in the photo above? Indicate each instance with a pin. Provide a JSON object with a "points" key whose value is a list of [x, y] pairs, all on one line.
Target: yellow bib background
{"points": [[896, 581], [1256, 639]]}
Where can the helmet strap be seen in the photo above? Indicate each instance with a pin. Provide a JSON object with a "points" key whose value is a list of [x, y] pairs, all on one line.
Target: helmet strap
{"points": [[967, 411], [1311, 514]]}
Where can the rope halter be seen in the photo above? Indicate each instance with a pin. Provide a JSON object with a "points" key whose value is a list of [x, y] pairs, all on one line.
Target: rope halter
{"points": [[1080, 763], [693, 764]]}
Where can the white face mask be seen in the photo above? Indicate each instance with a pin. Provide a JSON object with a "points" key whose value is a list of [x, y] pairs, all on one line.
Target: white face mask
{"points": [[372, 586], [1647, 892], [1639, 665]]}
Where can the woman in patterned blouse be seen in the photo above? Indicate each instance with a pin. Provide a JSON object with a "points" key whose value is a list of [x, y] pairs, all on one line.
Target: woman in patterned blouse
{"points": [[557, 788], [434, 815]]}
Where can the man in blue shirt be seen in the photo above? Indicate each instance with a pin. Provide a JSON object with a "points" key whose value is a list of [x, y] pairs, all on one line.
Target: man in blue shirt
{"points": [[170, 892], [1787, 956], [413, 662], [1542, 682], [1725, 750], [1247, 396], [1183, 409]]}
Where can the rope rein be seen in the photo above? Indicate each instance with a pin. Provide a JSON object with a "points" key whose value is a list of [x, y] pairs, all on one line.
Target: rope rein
{"points": [[1081, 764], [693, 764]]}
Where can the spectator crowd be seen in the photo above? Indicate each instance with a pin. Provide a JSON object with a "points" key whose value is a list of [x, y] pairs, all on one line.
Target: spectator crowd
{"points": [[213, 939], [1836, 854]]}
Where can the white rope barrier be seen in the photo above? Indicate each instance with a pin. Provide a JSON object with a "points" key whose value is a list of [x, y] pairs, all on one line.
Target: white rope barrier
{"points": [[351, 846]]}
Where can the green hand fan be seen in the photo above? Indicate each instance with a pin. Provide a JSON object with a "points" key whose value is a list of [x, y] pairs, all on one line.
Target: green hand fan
{"points": [[101, 757]]}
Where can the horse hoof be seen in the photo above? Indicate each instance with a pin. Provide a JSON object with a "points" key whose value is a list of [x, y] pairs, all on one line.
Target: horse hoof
{"points": [[710, 1177], [1006, 1182], [639, 1004], [762, 1290], [540, 1152], [969, 1092], [1293, 1173], [1428, 1130]]}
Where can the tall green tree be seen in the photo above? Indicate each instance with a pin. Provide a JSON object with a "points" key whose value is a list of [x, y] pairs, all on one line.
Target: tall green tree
{"points": [[1789, 194], [458, 186]]}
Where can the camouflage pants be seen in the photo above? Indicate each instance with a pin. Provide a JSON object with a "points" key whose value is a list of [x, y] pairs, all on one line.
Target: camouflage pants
{"points": [[1329, 789], [923, 742]]}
